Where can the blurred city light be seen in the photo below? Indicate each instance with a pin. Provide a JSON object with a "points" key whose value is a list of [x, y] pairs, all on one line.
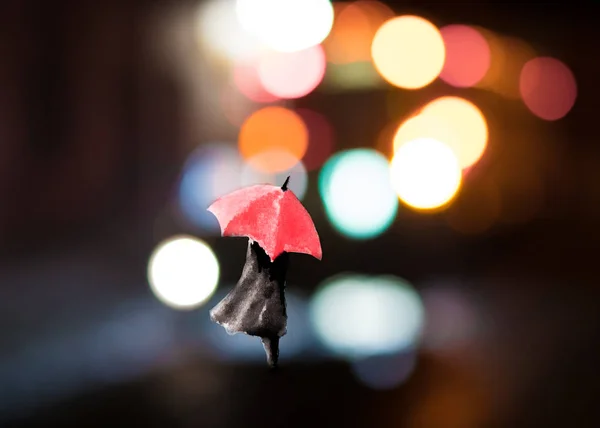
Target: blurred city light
{"points": [[450, 318], [508, 56], [298, 176], [119, 346], [247, 81], [425, 173], [353, 30], [183, 272], [357, 194], [242, 347], [273, 131], [456, 122], [210, 172], [320, 138], [219, 31], [292, 74], [408, 51], [548, 88], [358, 316], [286, 25], [131, 340], [350, 37], [467, 56], [384, 372]]}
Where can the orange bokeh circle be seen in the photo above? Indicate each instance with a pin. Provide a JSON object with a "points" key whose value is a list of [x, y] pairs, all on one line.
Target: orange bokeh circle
{"points": [[275, 130]]}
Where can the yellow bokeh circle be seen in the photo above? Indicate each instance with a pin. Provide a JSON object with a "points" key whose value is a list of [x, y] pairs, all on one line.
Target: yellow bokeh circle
{"points": [[454, 121], [425, 174], [408, 51]]}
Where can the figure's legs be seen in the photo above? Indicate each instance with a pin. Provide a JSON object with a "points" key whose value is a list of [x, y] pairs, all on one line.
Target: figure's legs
{"points": [[271, 345]]}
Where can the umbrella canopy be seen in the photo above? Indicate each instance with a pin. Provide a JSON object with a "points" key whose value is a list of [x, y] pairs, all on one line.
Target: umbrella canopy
{"points": [[270, 215]]}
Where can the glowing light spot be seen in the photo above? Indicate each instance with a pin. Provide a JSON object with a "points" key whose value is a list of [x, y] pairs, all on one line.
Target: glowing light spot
{"points": [[298, 176], [360, 316], [467, 56], [236, 107], [218, 30], [349, 39], [286, 25], [209, 173], [356, 191], [508, 56], [247, 81], [320, 138], [425, 173], [384, 371], [548, 88], [273, 130], [354, 27], [408, 52], [292, 74], [183, 272], [451, 318], [452, 120]]}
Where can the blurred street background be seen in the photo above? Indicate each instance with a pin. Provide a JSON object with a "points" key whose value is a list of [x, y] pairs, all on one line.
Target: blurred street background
{"points": [[447, 152]]}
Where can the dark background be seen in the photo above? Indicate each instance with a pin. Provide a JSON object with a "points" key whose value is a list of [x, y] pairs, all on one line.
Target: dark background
{"points": [[93, 133]]}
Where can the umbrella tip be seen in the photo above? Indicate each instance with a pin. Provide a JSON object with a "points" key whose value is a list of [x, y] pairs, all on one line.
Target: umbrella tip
{"points": [[284, 187]]}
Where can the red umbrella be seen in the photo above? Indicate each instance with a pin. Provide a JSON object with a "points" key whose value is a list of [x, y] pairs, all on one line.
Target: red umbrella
{"points": [[277, 224], [270, 215]]}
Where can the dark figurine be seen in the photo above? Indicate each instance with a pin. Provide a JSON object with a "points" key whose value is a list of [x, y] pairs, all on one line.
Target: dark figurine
{"points": [[277, 224]]}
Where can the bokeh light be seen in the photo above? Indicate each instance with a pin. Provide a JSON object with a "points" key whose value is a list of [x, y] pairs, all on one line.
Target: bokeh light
{"points": [[359, 316], [286, 25], [469, 127], [210, 172], [456, 122], [382, 372], [451, 320], [298, 176], [353, 30], [321, 138], [235, 107], [273, 130], [356, 190], [350, 37], [548, 88], [292, 74], [508, 56], [183, 272], [247, 81], [425, 173], [408, 51], [467, 56], [218, 30]]}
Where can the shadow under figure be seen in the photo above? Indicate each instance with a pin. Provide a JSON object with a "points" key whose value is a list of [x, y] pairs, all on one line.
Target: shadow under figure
{"points": [[256, 306], [277, 224]]}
